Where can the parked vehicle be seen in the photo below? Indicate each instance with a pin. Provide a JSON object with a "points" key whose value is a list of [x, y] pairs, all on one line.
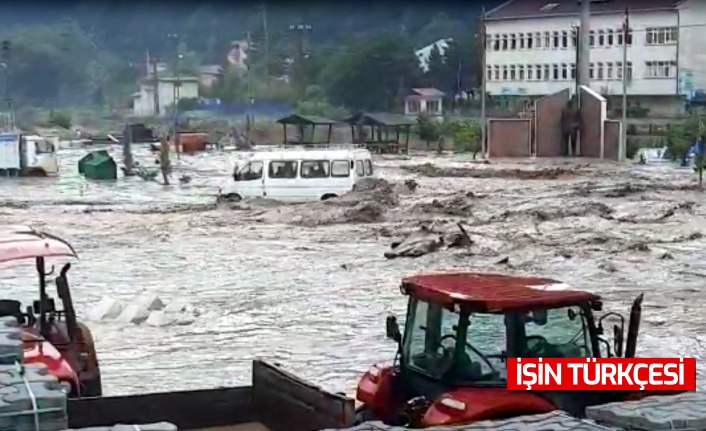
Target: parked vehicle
{"points": [[51, 336], [459, 331], [27, 155], [297, 175]]}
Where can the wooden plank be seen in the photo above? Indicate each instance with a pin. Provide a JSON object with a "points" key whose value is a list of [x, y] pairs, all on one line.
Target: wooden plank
{"points": [[286, 402], [186, 409]]}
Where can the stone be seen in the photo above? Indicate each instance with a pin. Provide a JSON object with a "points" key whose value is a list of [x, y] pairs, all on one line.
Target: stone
{"points": [[657, 413], [149, 302], [106, 309], [134, 313], [161, 318]]}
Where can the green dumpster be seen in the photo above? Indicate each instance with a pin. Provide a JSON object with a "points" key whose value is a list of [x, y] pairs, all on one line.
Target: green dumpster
{"points": [[98, 165]]}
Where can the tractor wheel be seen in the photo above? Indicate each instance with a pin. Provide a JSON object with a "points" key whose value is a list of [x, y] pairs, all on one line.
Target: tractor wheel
{"points": [[363, 414]]}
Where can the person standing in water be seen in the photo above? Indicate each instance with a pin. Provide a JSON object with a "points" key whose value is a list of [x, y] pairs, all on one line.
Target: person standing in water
{"points": [[570, 126], [164, 163]]}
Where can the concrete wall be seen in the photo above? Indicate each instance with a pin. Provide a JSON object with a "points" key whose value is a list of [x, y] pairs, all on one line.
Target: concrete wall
{"points": [[593, 116], [548, 136], [509, 137], [611, 143]]}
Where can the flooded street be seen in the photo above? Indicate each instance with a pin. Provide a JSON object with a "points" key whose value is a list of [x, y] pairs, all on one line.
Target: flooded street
{"points": [[303, 286]]}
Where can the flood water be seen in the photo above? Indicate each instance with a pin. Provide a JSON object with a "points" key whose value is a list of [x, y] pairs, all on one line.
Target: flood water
{"points": [[303, 286]]}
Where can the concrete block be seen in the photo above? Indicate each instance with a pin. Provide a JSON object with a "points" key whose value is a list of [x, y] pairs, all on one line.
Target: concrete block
{"points": [[18, 402], [106, 309], [670, 412], [554, 421], [36, 373], [160, 318], [149, 302], [11, 349], [134, 313], [161, 426]]}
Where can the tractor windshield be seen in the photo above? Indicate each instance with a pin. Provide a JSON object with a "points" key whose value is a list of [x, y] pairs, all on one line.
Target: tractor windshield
{"points": [[463, 348], [440, 344]]}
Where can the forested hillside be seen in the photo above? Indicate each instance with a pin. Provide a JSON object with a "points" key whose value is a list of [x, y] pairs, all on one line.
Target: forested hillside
{"points": [[90, 53]]}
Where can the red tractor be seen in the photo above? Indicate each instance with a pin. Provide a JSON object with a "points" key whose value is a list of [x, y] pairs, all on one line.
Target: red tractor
{"points": [[51, 336], [459, 331]]}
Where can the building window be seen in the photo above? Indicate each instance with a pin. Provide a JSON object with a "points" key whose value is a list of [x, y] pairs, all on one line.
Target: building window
{"points": [[504, 45], [619, 70], [628, 38], [413, 106], [547, 40], [496, 42], [599, 69], [433, 107], [530, 41], [513, 41], [574, 38], [609, 70], [564, 71], [489, 42], [628, 70], [521, 37], [601, 38], [496, 72], [555, 72], [504, 73], [521, 72], [489, 73], [619, 36], [591, 71], [513, 73], [661, 35], [564, 39], [555, 40], [530, 69], [547, 73], [573, 70], [660, 69], [538, 69], [538, 40], [592, 39]]}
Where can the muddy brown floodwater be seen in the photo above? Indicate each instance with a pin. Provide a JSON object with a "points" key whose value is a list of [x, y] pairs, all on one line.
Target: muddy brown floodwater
{"points": [[308, 286]]}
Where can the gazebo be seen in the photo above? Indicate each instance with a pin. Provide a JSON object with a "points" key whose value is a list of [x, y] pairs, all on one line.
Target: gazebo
{"points": [[381, 131], [306, 128]]}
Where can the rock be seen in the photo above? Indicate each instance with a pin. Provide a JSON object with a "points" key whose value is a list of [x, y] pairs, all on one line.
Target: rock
{"points": [[419, 243], [134, 313], [106, 309], [161, 318], [177, 306], [149, 302]]}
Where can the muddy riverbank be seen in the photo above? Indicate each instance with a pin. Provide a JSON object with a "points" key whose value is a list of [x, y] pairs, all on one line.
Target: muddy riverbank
{"points": [[308, 286]]}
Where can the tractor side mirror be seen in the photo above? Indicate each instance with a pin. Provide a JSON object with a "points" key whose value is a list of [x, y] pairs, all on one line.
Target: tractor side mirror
{"points": [[618, 339], [392, 329]]}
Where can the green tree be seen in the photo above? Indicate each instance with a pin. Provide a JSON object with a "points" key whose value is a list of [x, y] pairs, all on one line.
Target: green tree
{"points": [[466, 136], [428, 129], [372, 74]]}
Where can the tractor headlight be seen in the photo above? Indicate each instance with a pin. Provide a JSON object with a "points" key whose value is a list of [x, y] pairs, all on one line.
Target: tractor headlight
{"points": [[65, 387]]}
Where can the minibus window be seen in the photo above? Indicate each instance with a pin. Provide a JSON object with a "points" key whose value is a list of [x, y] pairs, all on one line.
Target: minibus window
{"points": [[369, 167], [249, 172], [315, 169], [359, 169], [340, 169], [282, 169]]}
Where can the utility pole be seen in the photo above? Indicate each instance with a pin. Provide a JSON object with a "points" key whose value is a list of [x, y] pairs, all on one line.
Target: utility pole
{"points": [[301, 33], [248, 70], [267, 46], [585, 48], [484, 79], [576, 35], [176, 94], [622, 150]]}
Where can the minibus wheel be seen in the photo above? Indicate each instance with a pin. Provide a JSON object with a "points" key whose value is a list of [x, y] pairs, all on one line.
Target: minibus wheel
{"points": [[231, 197]]}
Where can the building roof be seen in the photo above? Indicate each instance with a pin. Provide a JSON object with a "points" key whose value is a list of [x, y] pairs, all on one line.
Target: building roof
{"points": [[514, 9], [427, 92], [380, 119], [494, 292], [310, 120]]}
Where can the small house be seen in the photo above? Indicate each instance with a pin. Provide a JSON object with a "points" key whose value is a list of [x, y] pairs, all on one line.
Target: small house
{"points": [[424, 101]]}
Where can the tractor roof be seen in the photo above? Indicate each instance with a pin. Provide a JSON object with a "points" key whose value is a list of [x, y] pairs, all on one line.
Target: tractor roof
{"points": [[21, 242], [494, 292]]}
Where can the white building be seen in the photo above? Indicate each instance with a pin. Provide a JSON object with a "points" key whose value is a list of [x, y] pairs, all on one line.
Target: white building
{"points": [[424, 101], [531, 49], [143, 101]]}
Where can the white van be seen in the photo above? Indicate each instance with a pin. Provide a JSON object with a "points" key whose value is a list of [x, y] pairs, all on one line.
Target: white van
{"points": [[297, 175]]}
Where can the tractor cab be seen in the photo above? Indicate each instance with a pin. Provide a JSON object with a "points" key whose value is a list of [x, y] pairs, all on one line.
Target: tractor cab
{"points": [[51, 334], [451, 366]]}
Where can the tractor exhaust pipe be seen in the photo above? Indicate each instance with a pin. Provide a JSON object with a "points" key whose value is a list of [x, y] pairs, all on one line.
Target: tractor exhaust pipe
{"points": [[634, 326]]}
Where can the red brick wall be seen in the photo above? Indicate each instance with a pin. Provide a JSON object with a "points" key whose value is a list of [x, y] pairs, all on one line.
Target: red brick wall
{"points": [[548, 135], [509, 138], [611, 139], [591, 124]]}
